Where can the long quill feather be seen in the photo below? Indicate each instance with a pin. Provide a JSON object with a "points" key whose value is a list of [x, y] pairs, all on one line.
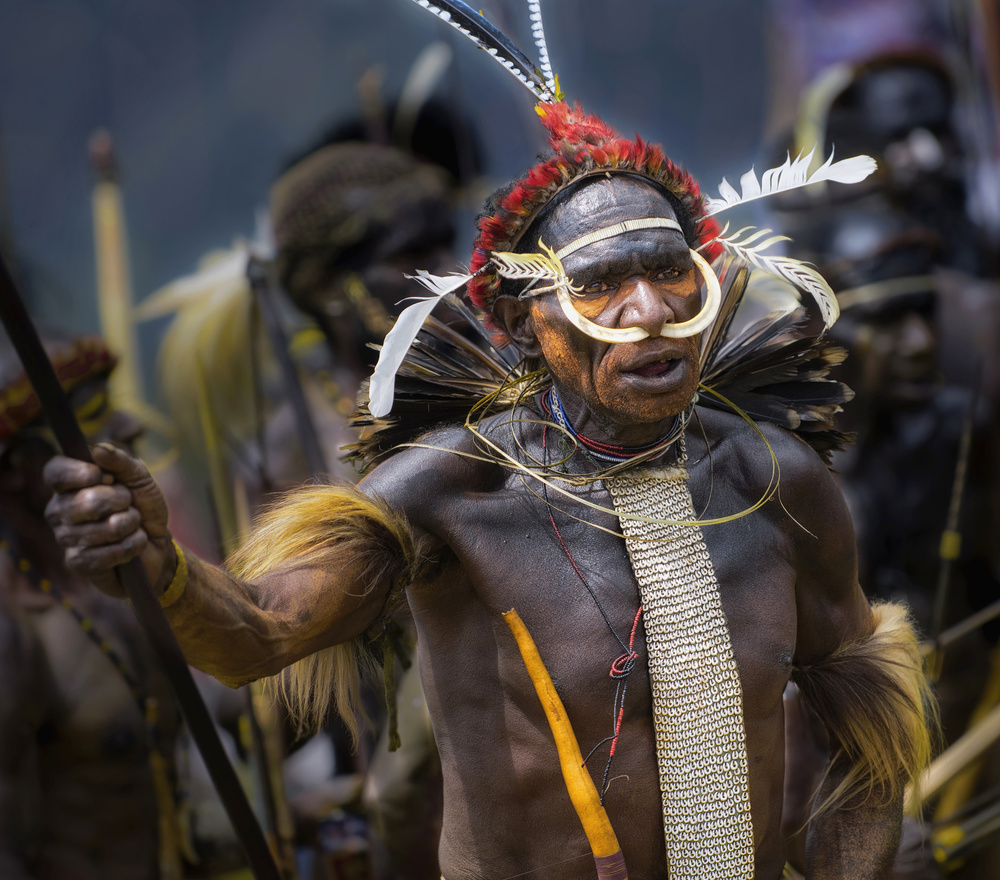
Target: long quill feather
{"points": [[790, 175], [399, 339], [492, 41]]}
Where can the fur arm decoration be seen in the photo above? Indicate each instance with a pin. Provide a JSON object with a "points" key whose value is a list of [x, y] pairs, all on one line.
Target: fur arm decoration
{"points": [[875, 701], [347, 534]]}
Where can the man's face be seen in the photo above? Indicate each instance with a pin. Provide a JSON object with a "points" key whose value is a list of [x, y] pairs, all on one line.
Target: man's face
{"points": [[893, 351], [644, 278], [22, 461]]}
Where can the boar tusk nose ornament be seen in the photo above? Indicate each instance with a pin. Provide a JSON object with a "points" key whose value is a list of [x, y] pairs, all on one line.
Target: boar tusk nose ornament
{"points": [[699, 322], [547, 266]]}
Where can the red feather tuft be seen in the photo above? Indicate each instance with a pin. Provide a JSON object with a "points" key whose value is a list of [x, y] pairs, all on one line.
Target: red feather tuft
{"points": [[581, 143]]}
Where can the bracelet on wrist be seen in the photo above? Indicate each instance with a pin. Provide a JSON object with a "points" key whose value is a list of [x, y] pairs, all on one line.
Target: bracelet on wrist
{"points": [[176, 586]]}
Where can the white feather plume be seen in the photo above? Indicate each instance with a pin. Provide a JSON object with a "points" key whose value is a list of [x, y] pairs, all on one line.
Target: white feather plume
{"points": [[801, 275], [441, 285], [382, 387], [790, 175]]}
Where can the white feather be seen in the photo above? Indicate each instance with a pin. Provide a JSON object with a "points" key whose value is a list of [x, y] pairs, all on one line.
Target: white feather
{"points": [[440, 285], [800, 275], [790, 175], [382, 387]]}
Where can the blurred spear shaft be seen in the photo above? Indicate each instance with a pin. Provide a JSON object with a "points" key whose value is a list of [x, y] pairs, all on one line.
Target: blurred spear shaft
{"points": [[257, 275], [951, 538], [114, 275]]}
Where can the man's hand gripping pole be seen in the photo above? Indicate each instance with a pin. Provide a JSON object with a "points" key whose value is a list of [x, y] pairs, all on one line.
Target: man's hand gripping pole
{"points": [[132, 575]]}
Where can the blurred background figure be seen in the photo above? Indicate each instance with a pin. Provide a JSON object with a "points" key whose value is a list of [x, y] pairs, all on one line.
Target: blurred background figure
{"points": [[271, 340], [373, 201], [913, 259], [87, 721], [907, 262]]}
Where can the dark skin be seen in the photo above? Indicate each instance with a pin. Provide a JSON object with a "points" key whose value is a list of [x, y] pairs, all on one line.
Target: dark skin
{"points": [[787, 579], [76, 792]]}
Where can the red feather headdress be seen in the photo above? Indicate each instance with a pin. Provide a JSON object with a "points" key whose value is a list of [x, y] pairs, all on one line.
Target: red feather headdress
{"points": [[582, 144]]}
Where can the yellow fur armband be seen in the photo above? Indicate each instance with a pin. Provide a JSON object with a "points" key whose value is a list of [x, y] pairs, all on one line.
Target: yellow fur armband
{"points": [[336, 527], [875, 700], [176, 586]]}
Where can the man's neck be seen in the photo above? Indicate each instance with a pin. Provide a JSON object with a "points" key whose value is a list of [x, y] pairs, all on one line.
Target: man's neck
{"points": [[584, 422]]}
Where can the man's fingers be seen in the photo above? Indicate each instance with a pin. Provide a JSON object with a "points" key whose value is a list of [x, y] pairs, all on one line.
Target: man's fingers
{"points": [[110, 463], [146, 495], [69, 474], [98, 560], [106, 513], [112, 530], [88, 505], [126, 468]]}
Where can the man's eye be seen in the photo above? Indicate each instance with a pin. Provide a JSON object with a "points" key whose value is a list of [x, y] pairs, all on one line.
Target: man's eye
{"points": [[668, 274], [597, 287]]}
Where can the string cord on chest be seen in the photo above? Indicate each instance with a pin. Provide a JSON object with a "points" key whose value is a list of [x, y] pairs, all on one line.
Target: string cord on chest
{"points": [[622, 666]]}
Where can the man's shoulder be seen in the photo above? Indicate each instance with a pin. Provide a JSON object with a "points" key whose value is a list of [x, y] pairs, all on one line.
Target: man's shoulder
{"points": [[754, 445], [435, 466]]}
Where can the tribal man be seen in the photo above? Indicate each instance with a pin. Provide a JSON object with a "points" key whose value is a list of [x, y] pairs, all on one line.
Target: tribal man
{"points": [[87, 720], [675, 562]]}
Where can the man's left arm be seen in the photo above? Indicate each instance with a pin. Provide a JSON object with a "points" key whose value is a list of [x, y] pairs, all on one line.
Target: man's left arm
{"points": [[859, 670]]}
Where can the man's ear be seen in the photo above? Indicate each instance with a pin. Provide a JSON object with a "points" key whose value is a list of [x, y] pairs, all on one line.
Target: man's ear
{"points": [[514, 315]]}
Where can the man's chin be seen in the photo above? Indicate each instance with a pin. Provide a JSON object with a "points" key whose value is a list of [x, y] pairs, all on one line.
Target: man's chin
{"points": [[652, 410]]}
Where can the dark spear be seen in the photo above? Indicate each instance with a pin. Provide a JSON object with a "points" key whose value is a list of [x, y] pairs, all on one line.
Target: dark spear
{"points": [[132, 575], [257, 274]]}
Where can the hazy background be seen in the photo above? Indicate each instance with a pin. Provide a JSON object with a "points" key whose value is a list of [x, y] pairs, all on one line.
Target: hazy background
{"points": [[207, 100]]}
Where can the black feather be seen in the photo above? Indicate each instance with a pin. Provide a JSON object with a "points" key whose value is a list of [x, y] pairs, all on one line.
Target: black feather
{"points": [[769, 370], [733, 277], [490, 39], [775, 374], [443, 376]]}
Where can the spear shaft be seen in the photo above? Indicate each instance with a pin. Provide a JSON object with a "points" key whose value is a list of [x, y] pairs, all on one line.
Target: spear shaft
{"points": [[308, 436], [132, 575]]}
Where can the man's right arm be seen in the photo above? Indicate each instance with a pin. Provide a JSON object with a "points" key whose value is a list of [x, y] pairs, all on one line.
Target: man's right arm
{"points": [[316, 572]]}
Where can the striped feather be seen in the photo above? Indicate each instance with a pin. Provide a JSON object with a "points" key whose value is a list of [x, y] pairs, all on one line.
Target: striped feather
{"points": [[538, 32], [491, 40]]}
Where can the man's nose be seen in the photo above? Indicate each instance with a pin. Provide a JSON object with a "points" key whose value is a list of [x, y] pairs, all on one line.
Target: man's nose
{"points": [[645, 306]]}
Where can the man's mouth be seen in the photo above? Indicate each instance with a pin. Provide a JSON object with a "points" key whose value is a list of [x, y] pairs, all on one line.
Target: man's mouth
{"points": [[655, 368]]}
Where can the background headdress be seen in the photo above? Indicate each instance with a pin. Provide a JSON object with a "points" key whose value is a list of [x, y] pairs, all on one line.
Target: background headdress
{"points": [[75, 361]]}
